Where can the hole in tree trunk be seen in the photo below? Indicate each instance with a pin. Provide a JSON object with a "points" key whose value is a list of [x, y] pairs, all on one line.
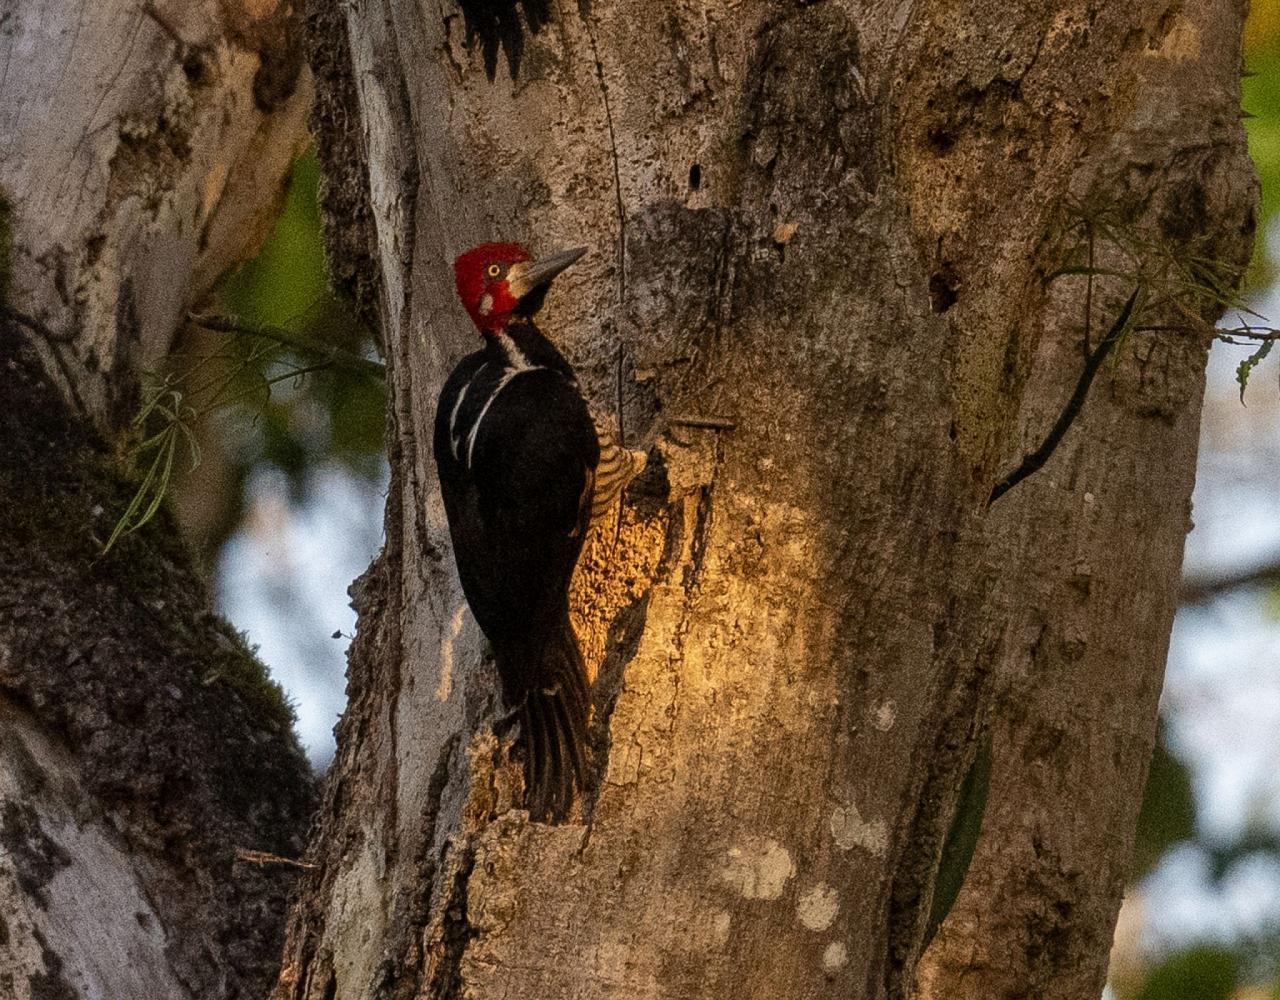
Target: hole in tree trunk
{"points": [[944, 288]]}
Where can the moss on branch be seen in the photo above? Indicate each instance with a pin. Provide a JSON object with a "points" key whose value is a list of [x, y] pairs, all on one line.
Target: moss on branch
{"points": [[178, 731]]}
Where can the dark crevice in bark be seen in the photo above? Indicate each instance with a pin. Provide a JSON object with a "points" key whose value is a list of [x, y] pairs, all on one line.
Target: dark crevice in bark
{"points": [[455, 932], [344, 192], [613, 154], [430, 814], [701, 531]]}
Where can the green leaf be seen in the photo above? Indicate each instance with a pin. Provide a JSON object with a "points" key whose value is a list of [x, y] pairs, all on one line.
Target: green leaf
{"points": [[1261, 98], [962, 838], [289, 274], [1203, 973], [1251, 362], [151, 492], [1168, 813]]}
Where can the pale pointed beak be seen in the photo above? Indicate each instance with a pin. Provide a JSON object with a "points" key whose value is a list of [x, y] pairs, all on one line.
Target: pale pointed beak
{"points": [[530, 275]]}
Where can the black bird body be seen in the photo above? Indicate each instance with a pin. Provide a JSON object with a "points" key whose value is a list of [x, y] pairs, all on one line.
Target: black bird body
{"points": [[517, 451]]}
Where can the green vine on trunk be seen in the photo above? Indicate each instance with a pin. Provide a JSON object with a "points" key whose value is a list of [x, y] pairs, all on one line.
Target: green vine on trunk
{"points": [[1183, 279]]}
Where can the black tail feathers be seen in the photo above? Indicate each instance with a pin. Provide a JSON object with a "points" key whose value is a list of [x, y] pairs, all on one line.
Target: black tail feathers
{"points": [[553, 725]]}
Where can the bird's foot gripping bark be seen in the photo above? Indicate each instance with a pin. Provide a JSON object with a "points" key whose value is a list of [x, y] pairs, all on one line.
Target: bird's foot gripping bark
{"points": [[617, 467]]}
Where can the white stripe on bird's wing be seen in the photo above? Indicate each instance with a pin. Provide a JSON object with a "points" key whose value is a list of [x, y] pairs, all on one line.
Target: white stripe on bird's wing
{"points": [[454, 438], [502, 384]]}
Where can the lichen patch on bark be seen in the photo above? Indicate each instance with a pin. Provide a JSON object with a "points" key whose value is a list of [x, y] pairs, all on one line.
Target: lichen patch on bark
{"points": [[760, 869]]}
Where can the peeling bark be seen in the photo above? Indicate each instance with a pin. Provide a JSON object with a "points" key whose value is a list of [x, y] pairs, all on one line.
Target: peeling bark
{"points": [[827, 222]]}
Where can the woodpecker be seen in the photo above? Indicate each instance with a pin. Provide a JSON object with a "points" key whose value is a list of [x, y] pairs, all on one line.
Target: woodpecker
{"points": [[522, 469], [497, 22]]}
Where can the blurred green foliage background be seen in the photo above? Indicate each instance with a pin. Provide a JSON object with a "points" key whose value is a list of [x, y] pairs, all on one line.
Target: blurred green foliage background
{"points": [[325, 418], [334, 416]]}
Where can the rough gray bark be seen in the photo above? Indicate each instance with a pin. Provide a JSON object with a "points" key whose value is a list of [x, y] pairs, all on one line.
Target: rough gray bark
{"points": [[142, 150], [827, 221], [1091, 546]]}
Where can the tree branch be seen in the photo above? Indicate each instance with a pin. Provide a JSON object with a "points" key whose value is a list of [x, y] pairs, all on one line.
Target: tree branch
{"points": [[1203, 589], [333, 355], [704, 423]]}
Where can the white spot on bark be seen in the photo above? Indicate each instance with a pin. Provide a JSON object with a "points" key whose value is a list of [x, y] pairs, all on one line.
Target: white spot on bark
{"points": [[760, 870], [720, 928], [818, 907], [835, 957], [445, 687], [885, 715], [850, 830]]}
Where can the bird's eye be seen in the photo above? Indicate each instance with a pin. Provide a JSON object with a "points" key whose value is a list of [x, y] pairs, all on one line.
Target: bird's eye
{"points": [[494, 270]]}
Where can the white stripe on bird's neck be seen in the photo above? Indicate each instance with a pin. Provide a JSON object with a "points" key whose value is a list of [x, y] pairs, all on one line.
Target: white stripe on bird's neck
{"points": [[516, 359], [517, 362], [454, 437]]}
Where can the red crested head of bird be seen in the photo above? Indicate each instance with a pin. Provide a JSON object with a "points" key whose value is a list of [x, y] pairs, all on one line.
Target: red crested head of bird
{"points": [[500, 281]]}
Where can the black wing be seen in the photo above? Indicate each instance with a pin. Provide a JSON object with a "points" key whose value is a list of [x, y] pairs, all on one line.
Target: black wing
{"points": [[518, 499], [518, 495], [533, 466]]}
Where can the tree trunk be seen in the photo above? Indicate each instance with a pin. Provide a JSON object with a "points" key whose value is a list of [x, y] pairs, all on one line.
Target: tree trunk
{"points": [[829, 223], [1092, 546], [142, 151]]}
